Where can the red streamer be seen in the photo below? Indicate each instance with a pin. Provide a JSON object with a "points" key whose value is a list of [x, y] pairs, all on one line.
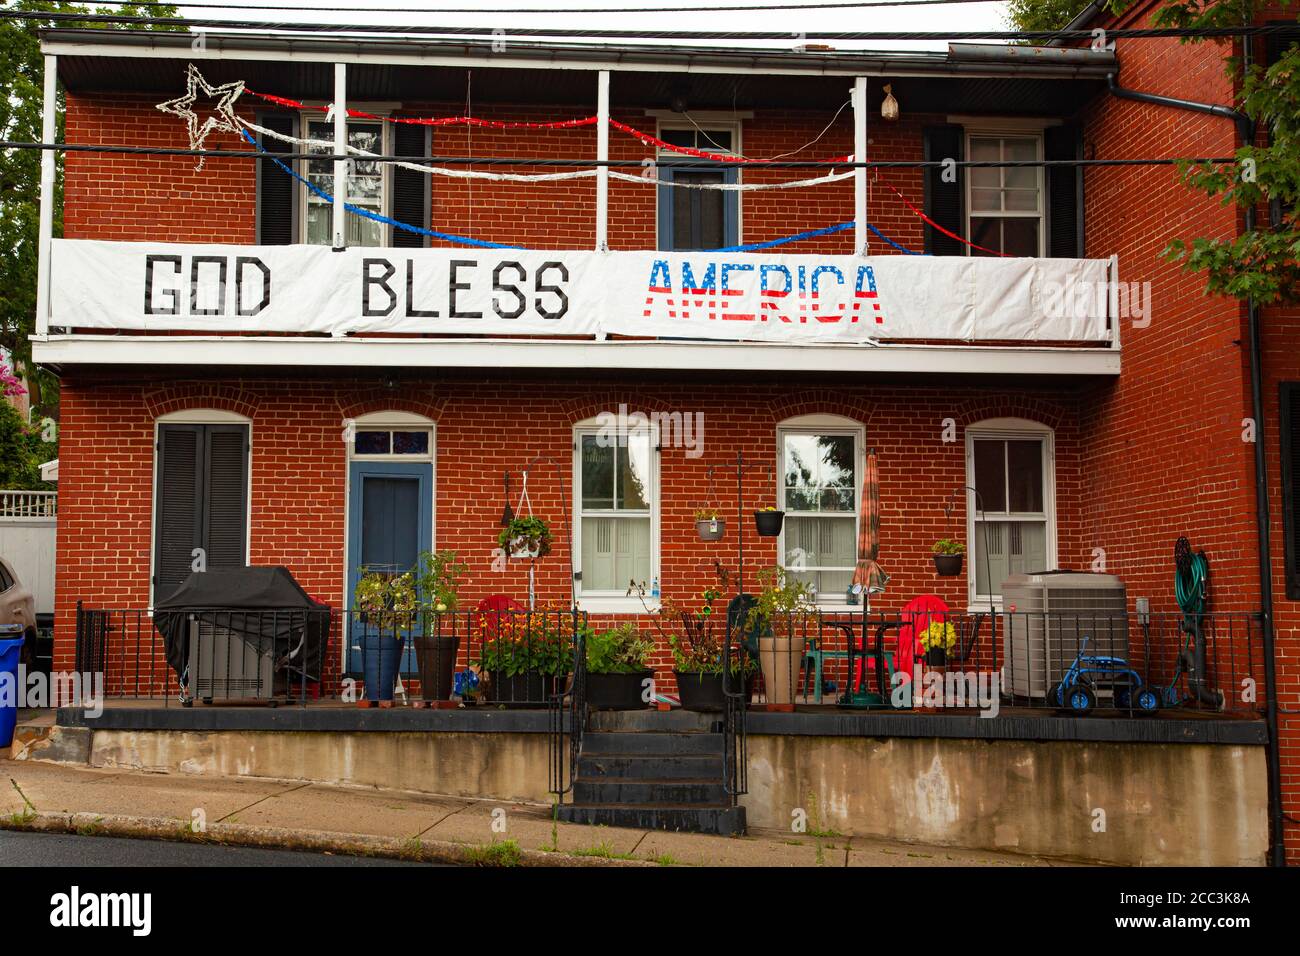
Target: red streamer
{"points": [[950, 235]]}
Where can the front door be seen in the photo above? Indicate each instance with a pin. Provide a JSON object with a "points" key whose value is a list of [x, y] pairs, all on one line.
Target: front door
{"points": [[390, 521]]}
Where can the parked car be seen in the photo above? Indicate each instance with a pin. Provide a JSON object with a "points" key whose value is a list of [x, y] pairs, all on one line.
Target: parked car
{"points": [[18, 606]]}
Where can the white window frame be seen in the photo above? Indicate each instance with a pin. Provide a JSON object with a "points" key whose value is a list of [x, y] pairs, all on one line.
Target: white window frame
{"points": [[1008, 132], [823, 425], [196, 416], [709, 123], [386, 173], [392, 422], [1007, 429], [614, 602]]}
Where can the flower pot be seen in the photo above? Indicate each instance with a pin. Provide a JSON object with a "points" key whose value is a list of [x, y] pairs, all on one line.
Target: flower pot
{"points": [[617, 691], [711, 529], [779, 659], [381, 658], [526, 688], [948, 565], [525, 548], [769, 522], [700, 691], [435, 659], [936, 657]]}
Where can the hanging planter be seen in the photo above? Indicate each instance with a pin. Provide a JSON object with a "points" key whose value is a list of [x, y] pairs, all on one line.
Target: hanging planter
{"points": [[708, 525], [948, 555], [769, 521], [527, 537]]}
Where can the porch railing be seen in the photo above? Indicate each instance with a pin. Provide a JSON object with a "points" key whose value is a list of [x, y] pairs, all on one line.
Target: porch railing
{"points": [[28, 504], [565, 738]]}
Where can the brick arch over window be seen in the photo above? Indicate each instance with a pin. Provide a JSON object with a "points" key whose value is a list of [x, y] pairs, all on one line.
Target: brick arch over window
{"points": [[981, 409], [822, 401], [584, 407], [184, 396], [356, 404]]}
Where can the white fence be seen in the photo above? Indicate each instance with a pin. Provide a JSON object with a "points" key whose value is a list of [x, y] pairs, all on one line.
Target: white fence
{"points": [[28, 527]]}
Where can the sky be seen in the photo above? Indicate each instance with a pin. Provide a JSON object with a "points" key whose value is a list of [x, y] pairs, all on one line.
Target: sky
{"points": [[965, 16]]}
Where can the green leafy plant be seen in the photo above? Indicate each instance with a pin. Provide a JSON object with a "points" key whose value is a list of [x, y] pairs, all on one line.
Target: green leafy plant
{"points": [[780, 599], [513, 644], [437, 578], [389, 602], [618, 650], [527, 533], [948, 546]]}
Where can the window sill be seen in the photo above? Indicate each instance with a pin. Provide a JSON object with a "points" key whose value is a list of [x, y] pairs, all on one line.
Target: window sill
{"points": [[617, 605]]}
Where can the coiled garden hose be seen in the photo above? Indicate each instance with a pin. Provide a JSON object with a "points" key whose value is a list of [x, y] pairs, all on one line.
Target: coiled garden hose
{"points": [[1191, 588]]}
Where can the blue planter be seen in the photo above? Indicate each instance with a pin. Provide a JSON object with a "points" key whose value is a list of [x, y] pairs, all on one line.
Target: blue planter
{"points": [[381, 658]]}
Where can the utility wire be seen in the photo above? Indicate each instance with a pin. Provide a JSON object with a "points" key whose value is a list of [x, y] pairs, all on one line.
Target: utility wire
{"points": [[612, 163], [487, 32], [792, 7]]}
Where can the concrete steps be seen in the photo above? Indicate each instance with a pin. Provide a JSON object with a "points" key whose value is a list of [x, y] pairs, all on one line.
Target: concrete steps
{"points": [[655, 771]]}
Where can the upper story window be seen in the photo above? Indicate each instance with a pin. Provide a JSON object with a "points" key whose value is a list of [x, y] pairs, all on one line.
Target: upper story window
{"points": [[819, 480], [1013, 517], [1005, 207], [366, 187], [693, 218]]}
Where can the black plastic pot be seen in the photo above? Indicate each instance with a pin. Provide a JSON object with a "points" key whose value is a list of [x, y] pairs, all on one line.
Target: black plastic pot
{"points": [[769, 522], [617, 691], [948, 565], [710, 530], [435, 657], [700, 691], [936, 657], [528, 688]]}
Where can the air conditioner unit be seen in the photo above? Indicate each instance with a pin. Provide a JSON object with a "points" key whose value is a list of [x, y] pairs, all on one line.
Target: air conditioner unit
{"points": [[226, 666], [1046, 616]]}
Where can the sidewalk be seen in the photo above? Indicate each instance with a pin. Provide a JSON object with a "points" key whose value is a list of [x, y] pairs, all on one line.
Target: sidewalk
{"points": [[260, 812]]}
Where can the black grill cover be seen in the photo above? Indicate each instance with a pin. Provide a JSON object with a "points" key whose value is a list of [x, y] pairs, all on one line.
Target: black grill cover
{"points": [[258, 604]]}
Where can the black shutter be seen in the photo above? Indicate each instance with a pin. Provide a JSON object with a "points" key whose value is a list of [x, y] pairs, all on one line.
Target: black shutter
{"points": [[410, 200], [1064, 188], [201, 500], [179, 495], [945, 201], [1289, 427], [277, 191], [226, 495]]}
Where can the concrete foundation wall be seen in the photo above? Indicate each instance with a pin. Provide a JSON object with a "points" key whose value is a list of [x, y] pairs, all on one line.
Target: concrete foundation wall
{"points": [[1151, 804]]}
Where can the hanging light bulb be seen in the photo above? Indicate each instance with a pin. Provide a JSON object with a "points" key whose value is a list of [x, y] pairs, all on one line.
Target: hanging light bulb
{"points": [[889, 108]]}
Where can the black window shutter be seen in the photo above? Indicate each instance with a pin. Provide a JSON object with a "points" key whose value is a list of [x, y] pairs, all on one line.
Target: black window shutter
{"points": [[226, 497], [201, 500], [277, 191], [179, 495], [410, 200], [1064, 187], [1289, 427], [945, 201]]}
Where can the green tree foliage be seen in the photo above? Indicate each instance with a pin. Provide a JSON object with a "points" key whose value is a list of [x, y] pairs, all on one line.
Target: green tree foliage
{"points": [[1043, 14], [21, 77], [22, 452]]}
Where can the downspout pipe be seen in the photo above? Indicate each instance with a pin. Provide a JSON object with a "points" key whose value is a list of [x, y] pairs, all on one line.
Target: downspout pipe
{"points": [[1263, 532]]}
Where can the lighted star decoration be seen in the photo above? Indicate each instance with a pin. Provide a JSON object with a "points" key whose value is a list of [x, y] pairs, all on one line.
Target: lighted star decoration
{"points": [[222, 118]]}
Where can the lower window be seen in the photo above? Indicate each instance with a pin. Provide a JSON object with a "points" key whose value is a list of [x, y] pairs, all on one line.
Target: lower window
{"points": [[1012, 515], [615, 513]]}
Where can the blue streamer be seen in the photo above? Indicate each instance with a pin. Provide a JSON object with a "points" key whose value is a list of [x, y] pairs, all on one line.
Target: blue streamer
{"points": [[484, 244]]}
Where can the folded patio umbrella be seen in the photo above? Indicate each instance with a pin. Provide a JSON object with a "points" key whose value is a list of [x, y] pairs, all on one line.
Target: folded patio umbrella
{"points": [[868, 572]]}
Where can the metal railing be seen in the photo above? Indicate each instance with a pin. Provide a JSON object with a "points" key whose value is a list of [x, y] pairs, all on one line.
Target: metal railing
{"points": [[512, 658], [565, 743], [29, 504]]}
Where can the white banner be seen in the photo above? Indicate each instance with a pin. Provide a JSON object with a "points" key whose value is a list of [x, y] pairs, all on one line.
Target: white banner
{"points": [[704, 295]]}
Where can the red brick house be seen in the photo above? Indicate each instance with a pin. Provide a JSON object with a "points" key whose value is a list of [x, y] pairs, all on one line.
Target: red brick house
{"points": [[276, 399]]}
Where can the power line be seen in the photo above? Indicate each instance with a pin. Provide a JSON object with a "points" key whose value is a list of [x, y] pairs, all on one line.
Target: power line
{"points": [[609, 163], [485, 32], [783, 7]]}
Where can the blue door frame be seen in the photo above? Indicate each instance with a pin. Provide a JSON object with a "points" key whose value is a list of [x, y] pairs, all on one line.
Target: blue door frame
{"points": [[390, 521]]}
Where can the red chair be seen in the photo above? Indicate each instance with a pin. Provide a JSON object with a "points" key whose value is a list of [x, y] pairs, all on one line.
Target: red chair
{"points": [[904, 648]]}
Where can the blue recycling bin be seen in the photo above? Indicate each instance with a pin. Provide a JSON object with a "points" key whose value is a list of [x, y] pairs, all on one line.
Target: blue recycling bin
{"points": [[11, 645]]}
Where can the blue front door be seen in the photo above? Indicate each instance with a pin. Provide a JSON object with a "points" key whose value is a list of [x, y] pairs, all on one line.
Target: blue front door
{"points": [[390, 521]]}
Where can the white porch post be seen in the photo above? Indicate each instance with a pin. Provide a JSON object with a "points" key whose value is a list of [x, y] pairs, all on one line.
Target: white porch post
{"points": [[340, 147], [45, 229], [860, 174], [602, 155]]}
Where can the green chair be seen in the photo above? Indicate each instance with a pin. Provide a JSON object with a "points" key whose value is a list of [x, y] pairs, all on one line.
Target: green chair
{"points": [[816, 655]]}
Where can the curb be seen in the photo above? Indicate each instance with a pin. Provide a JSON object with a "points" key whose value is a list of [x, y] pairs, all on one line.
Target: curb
{"points": [[315, 841]]}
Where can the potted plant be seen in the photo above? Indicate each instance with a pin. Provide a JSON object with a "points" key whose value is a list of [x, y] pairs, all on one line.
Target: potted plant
{"points": [[617, 671], [937, 641], [388, 605], [526, 537], [948, 557], [769, 520], [525, 655], [698, 659], [708, 525], [438, 575], [781, 643]]}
